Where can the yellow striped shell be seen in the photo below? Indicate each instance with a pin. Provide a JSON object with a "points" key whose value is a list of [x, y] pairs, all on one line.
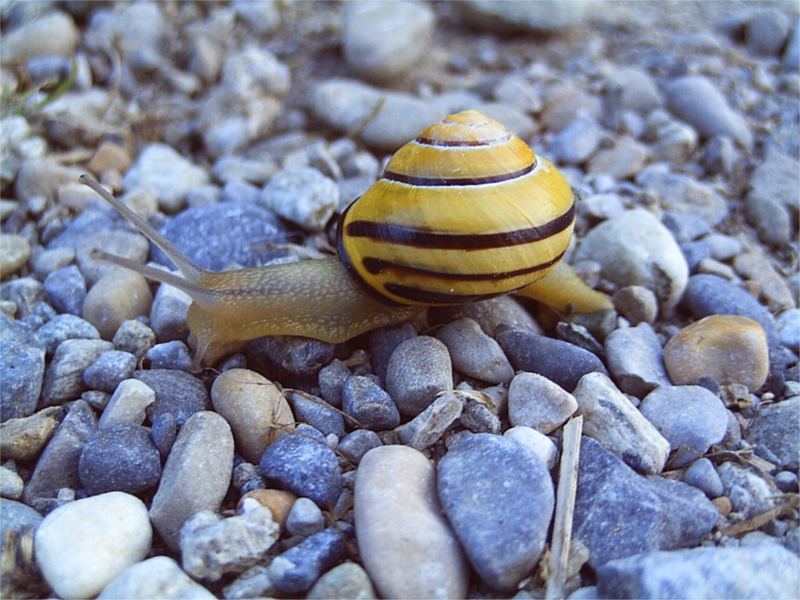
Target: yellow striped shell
{"points": [[464, 212]]}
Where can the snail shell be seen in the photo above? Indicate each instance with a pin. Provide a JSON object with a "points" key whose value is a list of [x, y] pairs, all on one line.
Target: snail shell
{"points": [[464, 212]]}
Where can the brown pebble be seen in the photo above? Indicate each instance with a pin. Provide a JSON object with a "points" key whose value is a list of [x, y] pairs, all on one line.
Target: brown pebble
{"points": [[726, 348], [636, 303], [723, 504], [110, 156], [116, 297], [278, 502], [22, 439]]}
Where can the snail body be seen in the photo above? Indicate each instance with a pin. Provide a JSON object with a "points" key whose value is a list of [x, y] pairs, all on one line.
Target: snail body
{"points": [[465, 212]]}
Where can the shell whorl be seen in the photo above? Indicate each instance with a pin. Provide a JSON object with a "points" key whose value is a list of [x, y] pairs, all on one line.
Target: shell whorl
{"points": [[464, 212]]}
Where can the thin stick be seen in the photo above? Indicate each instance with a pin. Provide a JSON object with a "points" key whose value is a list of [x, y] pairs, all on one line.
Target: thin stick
{"points": [[565, 507]]}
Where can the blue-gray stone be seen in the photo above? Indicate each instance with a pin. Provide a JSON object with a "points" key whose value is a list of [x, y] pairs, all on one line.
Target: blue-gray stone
{"points": [[86, 224], [357, 443], [110, 368], [301, 462], [786, 481], [753, 572], [220, 236], [331, 380], [694, 252], [775, 432], [163, 432], [177, 392], [65, 327], [296, 570], [619, 513], [685, 227], [369, 404], [25, 292], [498, 497], [57, 467], [304, 518], [702, 475], [65, 290], [170, 355], [317, 413], [298, 356], [16, 516], [382, 343], [21, 369], [561, 362], [120, 457]]}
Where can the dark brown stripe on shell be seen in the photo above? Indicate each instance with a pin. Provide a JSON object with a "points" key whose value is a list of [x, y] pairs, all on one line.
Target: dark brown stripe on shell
{"points": [[378, 265], [428, 297], [410, 236], [446, 181], [462, 143]]}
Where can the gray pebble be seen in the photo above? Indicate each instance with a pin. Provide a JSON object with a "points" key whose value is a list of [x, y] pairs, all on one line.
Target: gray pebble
{"points": [[766, 32], [16, 516], [110, 368], [479, 418], [128, 403], [119, 242], [298, 568], [302, 195], [63, 379], [317, 413], [635, 89], [299, 356], [369, 404], [772, 197], [331, 379], [489, 314], [304, 518], [164, 431], [685, 227], [196, 475], [576, 143], [775, 432], [348, 580], [357, 443], [427, 427], [684, 194], [474, 353], [786, 481], [634, 357], [791, 55], [382, 343], [636, 303], [254, 582], [504, 17], [719, 156], [177, 392], [65, 289], [169, 312], [156, 577], [418, 369], [702, 475], [170, 355], [134, 337], [53, 33], [25, 292], [163, 171], [723, 247], [535, 401], [750, 494], [64, 327], [538, 443], [11, 484], [22, 355]]}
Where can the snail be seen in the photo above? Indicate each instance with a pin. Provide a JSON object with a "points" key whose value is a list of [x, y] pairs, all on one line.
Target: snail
{"points": [[463, 213]]}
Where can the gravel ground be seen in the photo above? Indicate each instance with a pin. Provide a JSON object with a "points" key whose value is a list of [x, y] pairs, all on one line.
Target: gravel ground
{"points": [[421, 459]]}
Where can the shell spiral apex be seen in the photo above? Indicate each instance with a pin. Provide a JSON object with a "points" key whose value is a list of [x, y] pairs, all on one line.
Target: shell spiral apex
{"points": [[464, 212]]}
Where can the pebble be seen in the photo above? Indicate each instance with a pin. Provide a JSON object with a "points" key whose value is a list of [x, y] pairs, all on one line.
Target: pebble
{"points": [[676, 143], [119, 457], [177, 393], [212, 546], [11, 484], [109, 370], [52, 33], [83, 545], [726, 348], [541, 445], [400, 526], [479, 418], [765, 571], [766, 32], [253, 583], [127, 404], [63, 327], [299, 356], [302, 195], [502, 16], [348, 580], [63, 380], [560, 362], [297, 569], [314, 411], [22, 355], [636, 303], [611, 419], [305, 518], [427, 427], [163, 172], [786, 481], [623, 160], [719, 156], [499, 500], [109, 156], [775, 433], [577, 142], [489, 314], [196, 475], [302, 463], [791, 55], [23, 438], [134, 337], [634, 357], [25, 292], [65, 290], [384, 42], [169, 313], [636, 249], [474, 353], [255, 409], [331, 380], [750, 494], [16, 516], [418, 369], [367, 403], [682, 194], [609, 516], [357, 443], [535, 401], [127, 244], [172, 355], [279, 502], [116, 297], [382, 343], [14, 253], [702, 475], [758, 269], [221, 236], [695, 99], [156, 577]]}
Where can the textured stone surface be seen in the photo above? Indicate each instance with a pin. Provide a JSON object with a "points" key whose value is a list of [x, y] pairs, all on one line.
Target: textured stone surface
{"points": [[300, 566], [177, 393], [157, 577], [634, 358], [537, 402], [21, 369], [776, 433], [418, 369], [474, 353]]}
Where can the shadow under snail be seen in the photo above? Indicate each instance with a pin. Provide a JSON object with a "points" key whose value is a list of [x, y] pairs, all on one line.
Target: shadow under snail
{"points": [[465, 212]]}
